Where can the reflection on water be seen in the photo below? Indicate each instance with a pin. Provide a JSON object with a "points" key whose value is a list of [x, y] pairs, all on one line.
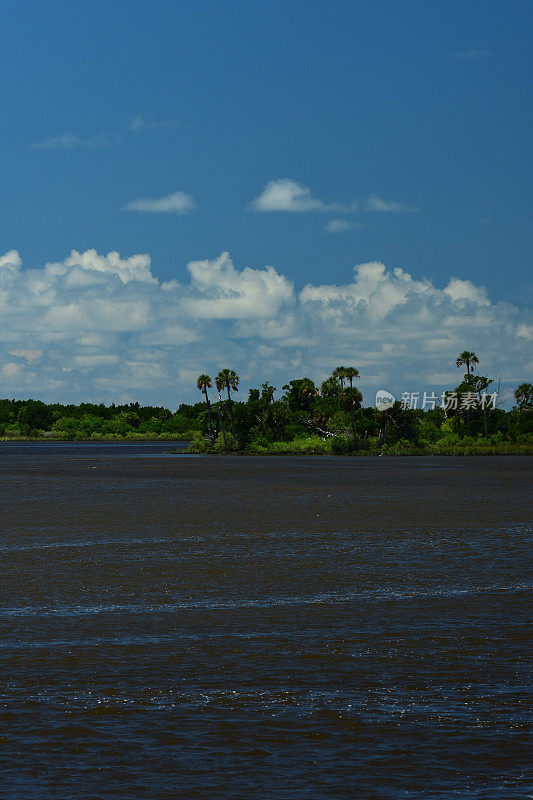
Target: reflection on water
{"points": [[293, 628]]}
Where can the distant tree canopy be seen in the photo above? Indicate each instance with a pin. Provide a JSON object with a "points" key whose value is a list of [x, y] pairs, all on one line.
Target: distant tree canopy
{"points": [[333, 415], [88, 420]]}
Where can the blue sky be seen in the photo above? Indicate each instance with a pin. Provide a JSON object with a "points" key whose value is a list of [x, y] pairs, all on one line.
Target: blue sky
{"points": [[307, 136]]}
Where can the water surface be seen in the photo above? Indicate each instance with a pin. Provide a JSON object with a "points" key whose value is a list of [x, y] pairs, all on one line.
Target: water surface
{"points": [[247, 627]]}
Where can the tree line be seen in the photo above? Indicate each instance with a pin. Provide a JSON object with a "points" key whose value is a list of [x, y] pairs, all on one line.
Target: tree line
{"points": [[33, 418], [332, 418], [329, 417]]}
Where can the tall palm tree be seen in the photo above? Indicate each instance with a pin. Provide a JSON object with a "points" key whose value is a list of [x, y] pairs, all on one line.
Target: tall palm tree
{"points": [[226, 379], [339, 374], [467, 358], [221, 426], [203, 383], [350, 373]]}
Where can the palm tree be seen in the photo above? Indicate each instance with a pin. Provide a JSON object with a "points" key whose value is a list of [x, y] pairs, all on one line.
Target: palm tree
{"points": [[467, 358], [340, 375], [203, 383], [226, 379], [330, 387], [221, 419], [267, 392], [524, 396], [350, 373], [480, 384]]}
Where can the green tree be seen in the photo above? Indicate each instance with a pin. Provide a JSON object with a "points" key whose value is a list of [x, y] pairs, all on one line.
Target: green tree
{"points": [[228, 379], [277, 417], [468, 359], [350, 401], [524, 396], [203, 383], [350, 373], [34, 415], [267, 392], [220, 418], [330, 387], [300, 393], [339, 373]]}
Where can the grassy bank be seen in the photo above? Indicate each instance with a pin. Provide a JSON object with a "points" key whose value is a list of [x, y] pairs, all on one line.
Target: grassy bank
{"points": [[96, 437], [334, 446]]}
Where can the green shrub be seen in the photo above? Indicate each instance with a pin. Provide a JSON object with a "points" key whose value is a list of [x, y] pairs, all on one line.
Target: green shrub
{"points": [[199, 444], [341, 445]]}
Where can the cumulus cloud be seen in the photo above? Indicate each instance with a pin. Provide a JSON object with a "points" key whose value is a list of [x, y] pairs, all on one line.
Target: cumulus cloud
{"points": [[465, 290], [285, 194], [176, 203], [102, 327], [81, 267], [225, 293], [10, 264]]}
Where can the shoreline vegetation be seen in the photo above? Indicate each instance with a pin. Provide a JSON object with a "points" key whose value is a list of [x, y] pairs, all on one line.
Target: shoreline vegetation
{"points": [[329, 419], [312, 446]]}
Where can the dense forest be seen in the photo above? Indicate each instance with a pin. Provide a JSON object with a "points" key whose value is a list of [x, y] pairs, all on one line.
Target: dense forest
{"points": [[330, 418]]}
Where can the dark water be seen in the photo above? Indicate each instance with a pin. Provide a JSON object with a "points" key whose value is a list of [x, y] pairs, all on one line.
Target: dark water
{"points": [[288, 628]]}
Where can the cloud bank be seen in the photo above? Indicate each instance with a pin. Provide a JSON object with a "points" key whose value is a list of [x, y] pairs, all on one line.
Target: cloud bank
{"points": [[103, 328]]}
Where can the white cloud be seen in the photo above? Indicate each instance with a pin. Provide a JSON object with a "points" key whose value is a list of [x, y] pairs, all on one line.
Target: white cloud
{"points": [[376, 203], [102, 327], [465, 290], [340, 226], [93, 362], [70, 141], [226, 293], [374, 289], [135, 268], [285, 194], [10, 265], [29, 355], [11, 370], [176, 203], [525, 332]]}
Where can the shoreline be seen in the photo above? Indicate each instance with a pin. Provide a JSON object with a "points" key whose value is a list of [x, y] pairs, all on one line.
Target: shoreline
{"points": [[470, 449], [110, 439], [467, 452]]}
